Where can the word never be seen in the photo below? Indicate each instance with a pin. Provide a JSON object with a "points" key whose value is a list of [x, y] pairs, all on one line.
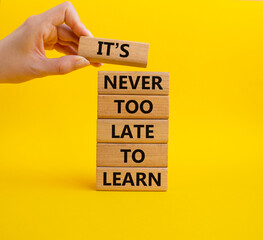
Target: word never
{"points": [[146, 82]]}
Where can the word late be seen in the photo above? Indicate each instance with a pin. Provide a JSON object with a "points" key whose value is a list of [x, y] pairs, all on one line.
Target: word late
{"points": [[114, 51], [146, 179], [132, 131]]}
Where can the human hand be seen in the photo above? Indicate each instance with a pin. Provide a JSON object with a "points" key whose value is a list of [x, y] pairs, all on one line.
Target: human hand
{"points": [[22, 53]]}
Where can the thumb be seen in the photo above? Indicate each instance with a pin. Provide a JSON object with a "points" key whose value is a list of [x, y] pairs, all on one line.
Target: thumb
{"points": [[63, 65]]}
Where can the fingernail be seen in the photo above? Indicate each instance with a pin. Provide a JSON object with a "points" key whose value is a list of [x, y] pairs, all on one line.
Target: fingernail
{"points": [[88, 33], [81, 62], [99, 64]]}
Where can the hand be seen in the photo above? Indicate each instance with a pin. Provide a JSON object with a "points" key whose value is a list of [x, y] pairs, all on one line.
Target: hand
{"points": [[22, 53]]}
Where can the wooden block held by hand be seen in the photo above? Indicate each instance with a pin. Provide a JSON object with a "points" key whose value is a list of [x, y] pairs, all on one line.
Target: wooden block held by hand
{"points": [[133, 106], [132, 179], [132, 155], [132, 131], [114, 51], [119, 82]]}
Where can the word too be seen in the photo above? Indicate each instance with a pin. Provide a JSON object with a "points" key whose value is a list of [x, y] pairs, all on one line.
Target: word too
{"points": [[132, 106]]}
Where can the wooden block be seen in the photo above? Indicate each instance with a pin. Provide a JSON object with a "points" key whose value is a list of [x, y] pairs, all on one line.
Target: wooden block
{"points": [[114, 51], [132, 155], [132, 179], [151, 83], [133, 106], [132, 131]]}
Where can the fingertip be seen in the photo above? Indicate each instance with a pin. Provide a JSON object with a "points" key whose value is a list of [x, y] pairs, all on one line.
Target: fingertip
{"points": [[96, 64], [81, 62], [84, 31]]}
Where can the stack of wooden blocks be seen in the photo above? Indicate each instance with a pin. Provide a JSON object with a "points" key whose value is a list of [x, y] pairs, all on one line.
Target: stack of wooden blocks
{"points": [[132, 126]]}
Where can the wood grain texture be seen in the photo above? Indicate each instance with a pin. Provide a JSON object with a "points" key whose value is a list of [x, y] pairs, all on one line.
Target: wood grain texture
{"points": [[132, 179], [126, 130], [121, 155], [125, 106], [114, 51], [120, 82]]}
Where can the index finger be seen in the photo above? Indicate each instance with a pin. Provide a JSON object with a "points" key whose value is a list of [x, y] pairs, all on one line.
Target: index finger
{"points": [[66, 13]]}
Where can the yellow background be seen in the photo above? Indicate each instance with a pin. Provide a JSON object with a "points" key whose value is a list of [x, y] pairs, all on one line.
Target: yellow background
{"points": [[214, 53]]}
